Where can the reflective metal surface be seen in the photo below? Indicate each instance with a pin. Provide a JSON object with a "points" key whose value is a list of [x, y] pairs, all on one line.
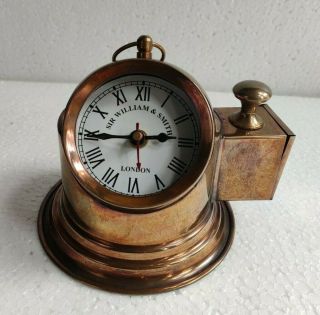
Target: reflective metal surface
{"points": [[149, 67], [134, 269], [144, 45], [160, 242], [251, 94]]}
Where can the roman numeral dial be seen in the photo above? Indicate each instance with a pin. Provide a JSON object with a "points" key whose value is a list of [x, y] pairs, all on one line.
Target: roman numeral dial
{"points": [[138, 135]]}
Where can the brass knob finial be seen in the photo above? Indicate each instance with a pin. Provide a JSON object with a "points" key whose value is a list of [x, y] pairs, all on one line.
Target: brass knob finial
{"points": [[144, 45], [251, 94]]}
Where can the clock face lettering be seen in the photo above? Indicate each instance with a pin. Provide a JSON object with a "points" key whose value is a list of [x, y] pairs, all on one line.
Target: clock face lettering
{"points": [[138, 135]]}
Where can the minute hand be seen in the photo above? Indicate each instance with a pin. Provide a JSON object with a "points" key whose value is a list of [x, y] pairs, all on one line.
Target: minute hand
{"points": [[162, 137]]}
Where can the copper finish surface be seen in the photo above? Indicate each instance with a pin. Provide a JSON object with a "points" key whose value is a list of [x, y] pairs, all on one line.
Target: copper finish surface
{"points": [[121, 226], [176, 191], [252, 160], [251, 94], [289, 142], [135, 269], [162, 241], [270, 129], [144, 45], [256, 162]]}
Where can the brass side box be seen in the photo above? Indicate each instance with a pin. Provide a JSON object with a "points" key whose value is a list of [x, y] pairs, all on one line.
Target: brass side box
{"points": [[254, 147]]}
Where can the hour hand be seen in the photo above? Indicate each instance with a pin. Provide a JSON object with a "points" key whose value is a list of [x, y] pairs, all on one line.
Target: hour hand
{"points": [[103, 136], [162, 137]]}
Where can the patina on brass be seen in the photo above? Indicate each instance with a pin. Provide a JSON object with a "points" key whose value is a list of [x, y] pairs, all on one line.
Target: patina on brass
{"points": [[251, 94], [252, 161], [144, 45], [170, 239], [176, 191]]}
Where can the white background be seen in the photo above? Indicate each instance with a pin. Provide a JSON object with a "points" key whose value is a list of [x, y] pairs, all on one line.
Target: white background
{"points": [[219, 42], [273, 266]]}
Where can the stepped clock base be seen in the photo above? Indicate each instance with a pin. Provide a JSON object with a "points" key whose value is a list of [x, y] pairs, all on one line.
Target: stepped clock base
{"points": [[134, 269]]}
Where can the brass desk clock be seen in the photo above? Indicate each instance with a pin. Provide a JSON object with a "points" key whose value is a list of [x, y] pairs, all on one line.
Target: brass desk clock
{"points": [[147, 167]]}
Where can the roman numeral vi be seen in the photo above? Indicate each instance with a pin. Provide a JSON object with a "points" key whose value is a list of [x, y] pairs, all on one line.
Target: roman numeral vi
{"points": [[133, 185]]}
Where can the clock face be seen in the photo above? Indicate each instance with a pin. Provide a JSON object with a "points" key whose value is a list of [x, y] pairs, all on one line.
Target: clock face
{"points": [[137, 135]]}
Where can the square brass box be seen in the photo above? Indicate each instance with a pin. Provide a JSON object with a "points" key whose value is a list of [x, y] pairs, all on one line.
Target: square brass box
{"points": [[251, 162]]}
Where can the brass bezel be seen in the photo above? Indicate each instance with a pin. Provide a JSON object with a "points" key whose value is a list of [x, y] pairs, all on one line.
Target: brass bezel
{"points": [[138, 66]]}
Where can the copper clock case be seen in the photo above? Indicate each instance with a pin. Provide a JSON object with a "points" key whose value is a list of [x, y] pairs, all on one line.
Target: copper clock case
{"points": [[153, 68], [138, 244], [166, 240]]}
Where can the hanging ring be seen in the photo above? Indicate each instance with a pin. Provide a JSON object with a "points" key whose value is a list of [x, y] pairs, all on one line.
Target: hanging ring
{"points": [[144, 45]]}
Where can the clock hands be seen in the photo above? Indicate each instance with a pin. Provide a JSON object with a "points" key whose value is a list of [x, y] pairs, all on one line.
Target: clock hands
{"points": [[105, 136], [161, 137], [139, 137]]}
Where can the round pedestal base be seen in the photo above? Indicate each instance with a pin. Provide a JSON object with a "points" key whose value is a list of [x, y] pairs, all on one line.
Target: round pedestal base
{"points": [[134, 269]]}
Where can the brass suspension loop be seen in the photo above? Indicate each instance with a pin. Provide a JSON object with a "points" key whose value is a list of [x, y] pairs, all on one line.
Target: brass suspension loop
{"points": [[144, 44]]}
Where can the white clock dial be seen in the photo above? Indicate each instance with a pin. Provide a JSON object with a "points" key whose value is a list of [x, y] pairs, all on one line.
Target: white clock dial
{"points": [[137, 135]]}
